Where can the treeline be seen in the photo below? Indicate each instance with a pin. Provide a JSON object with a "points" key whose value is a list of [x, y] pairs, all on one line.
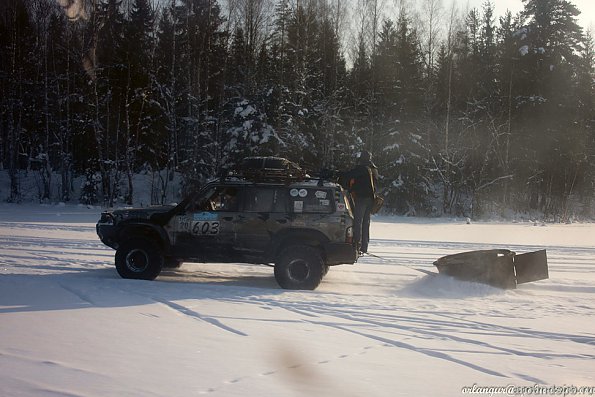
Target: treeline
{"points": [[491, 114]]}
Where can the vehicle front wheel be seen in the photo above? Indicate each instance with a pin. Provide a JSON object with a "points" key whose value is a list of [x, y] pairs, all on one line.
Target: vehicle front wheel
{"points": [[139, 259], [299, 267]]}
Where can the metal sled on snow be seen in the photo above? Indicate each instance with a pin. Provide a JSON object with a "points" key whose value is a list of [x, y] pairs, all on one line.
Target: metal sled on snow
{"points": [[499, 267]]}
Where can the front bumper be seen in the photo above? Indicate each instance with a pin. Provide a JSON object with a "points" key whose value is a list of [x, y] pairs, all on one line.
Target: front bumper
{"points": [[107, 234]]}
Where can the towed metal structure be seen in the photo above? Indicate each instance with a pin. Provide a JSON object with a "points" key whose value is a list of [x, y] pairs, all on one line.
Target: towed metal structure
{"points": [[500, 268]]}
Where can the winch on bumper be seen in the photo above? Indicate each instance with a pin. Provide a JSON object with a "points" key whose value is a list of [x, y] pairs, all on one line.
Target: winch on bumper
{"points": [[107, 231]]}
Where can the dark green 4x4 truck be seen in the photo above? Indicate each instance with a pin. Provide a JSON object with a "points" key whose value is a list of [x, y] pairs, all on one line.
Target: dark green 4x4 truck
{"points": [[269, 216]]}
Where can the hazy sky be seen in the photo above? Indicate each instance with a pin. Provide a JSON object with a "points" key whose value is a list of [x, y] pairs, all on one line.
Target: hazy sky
{"points": [[587, 8]]}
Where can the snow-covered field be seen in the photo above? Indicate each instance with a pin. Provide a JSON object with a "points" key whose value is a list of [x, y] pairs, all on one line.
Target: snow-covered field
{"points": [[69, 326]]}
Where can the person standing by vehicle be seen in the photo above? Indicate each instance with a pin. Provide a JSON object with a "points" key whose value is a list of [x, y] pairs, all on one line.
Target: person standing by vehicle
{"points": [[361, 183]]}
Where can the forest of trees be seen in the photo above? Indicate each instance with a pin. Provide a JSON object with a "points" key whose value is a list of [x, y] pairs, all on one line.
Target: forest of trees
{"points": [[465, 112]]}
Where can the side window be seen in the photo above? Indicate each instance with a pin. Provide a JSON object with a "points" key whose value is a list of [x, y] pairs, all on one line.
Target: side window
{"points": [[226, 199], [280, 202], [221, 198], [201, 202], [311, 200], [259, 200]]}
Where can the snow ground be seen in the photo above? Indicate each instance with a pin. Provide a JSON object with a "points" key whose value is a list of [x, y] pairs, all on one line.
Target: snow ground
{"points": [[69, 326]]}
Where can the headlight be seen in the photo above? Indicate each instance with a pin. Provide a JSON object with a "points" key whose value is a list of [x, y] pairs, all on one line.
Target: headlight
{"points": [[106, 219]]}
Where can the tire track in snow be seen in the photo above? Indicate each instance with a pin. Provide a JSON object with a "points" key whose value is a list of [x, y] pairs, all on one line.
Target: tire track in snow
{"points": [[403, 345], [459, 339], [194, 314], [427, 352], [471, 325], [414, 333], [316, 312], [54, 227], [84, 297], [519, 332], [471, 246], [418, 324]]}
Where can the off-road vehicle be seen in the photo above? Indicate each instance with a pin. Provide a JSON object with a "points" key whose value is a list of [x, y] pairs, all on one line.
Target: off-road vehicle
{"points": [[270, 212]]}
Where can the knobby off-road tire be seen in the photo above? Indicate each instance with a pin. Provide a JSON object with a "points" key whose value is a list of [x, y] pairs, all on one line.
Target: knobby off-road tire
{"points": [[139, 259], [299, 267]]}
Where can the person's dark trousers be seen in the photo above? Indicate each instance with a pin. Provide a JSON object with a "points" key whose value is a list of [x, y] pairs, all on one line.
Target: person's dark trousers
{"points": [[361, 227]]}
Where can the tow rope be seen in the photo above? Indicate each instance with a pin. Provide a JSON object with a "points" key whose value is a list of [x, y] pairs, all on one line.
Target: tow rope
{"points": [[424, 271]]}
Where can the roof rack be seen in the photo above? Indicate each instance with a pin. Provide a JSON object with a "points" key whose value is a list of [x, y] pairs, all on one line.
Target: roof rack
{"points": [[270, 169]]}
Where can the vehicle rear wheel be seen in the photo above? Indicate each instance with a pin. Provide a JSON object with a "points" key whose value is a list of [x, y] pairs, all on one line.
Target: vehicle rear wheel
{"points": [[139, 259], [299, 267]]}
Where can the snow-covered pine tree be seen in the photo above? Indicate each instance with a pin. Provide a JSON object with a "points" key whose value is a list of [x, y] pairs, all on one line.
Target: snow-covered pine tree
{"points": [[585, 86], [20, 110], [165, 86], [137, 53], [399, 107], [548, 134]]}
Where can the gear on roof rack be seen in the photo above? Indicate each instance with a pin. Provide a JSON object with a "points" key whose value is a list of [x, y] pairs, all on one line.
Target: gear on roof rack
{"points": [[263, 169]]}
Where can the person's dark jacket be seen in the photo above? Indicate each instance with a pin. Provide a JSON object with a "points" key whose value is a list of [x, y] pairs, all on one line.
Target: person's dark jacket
{"points": [[359, 180]]}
